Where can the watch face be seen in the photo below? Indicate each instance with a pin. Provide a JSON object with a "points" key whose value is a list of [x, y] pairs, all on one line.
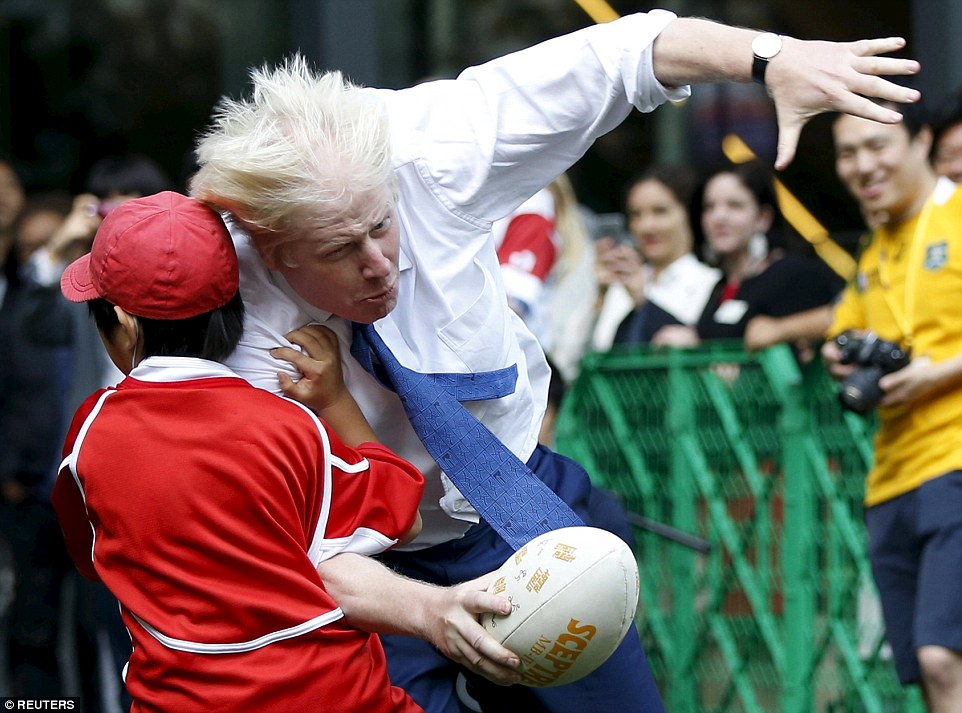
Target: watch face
{"points": [[766, 45]]}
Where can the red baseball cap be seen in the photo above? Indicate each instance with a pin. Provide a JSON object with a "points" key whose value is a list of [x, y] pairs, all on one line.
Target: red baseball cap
{"points": [[163, 256]]}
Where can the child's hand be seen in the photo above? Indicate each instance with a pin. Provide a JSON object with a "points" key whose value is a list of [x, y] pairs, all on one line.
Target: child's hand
{"points": [[322, 383], [322, 387], [75, 235]]}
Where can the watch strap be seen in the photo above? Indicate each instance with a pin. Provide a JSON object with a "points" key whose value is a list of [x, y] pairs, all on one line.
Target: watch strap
{"points": [[759, 65]]}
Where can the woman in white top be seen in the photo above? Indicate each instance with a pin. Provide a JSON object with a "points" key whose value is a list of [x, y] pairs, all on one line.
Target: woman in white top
{"points": [[774, 288], [660, 274]]}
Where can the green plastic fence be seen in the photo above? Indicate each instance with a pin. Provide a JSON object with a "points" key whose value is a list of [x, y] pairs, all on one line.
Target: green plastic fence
{"points": [[758, 459]]}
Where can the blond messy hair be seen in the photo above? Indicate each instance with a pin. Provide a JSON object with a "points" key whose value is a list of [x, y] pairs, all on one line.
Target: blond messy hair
{"points": [[289, 158]]}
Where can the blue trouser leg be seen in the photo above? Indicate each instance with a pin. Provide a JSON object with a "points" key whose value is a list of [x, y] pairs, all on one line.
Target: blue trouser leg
{"points": [[623, 683], [423, 672]]}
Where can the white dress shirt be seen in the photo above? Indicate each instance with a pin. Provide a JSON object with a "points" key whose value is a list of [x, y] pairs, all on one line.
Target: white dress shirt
{"points": [[465, 153]]}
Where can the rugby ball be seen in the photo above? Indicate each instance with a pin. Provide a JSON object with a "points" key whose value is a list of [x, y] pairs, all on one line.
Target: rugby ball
{"points": [[573, 594]]}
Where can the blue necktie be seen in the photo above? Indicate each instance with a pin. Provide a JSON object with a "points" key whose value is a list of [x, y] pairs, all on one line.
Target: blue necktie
{"points": [[498, 484]]}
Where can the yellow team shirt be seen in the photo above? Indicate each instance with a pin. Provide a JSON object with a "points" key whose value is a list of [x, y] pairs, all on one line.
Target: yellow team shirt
{"points": [[921, 441]]}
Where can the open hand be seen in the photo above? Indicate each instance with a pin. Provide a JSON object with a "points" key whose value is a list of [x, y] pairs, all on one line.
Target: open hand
{"points": [[809, 77]]}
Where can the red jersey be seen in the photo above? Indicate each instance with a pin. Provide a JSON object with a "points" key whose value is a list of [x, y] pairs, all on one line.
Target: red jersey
{"points": [[205, 504]]}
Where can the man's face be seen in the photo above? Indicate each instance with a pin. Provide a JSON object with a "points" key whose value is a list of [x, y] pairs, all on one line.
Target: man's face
{"points": [[884, 169], [948, 154], [349, 266]]}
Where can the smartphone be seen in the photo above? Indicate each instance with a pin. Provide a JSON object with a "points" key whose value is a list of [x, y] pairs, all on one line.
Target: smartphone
{"points": [[611, 225]]}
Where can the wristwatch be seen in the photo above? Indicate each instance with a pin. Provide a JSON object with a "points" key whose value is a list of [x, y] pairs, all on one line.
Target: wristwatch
{"points": [[765, 46]]}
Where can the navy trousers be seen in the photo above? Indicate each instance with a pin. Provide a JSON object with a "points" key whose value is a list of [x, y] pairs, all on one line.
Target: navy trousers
{"points": [[623, 683]]}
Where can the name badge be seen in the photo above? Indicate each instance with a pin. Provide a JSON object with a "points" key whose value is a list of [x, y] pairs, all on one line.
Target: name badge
{"points": [[731, 311]]}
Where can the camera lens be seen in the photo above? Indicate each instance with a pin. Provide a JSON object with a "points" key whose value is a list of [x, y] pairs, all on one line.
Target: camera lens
{"points": [[861, 391]]}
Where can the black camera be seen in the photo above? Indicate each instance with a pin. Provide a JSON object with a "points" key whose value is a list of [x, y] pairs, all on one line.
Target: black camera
{"points": [[874, 358]]}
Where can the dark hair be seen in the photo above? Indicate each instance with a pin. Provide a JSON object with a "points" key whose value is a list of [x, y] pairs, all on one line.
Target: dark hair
{"points": [[915, 117], [212, 335], [130, 175], [758, 179], [948, 115], [680, 180]]}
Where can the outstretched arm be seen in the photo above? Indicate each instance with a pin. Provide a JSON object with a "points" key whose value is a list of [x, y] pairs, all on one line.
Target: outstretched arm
{"points": [[808, 77], [764, 331]]}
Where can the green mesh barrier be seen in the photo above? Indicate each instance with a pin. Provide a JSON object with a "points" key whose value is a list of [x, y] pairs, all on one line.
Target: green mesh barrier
{"points": [[753, 455]]}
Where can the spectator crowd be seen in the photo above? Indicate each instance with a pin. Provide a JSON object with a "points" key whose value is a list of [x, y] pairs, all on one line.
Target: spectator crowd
{"points": [[698, 253]]}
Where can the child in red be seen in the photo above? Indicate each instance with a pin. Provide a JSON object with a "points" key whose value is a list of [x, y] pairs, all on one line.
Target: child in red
{"points": [[206, 504]]}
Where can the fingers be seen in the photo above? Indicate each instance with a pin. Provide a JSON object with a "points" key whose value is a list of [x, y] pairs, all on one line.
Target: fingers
{"points": [[882, 66], [492, 603], [304, 363], [491, 660], [788, 135], [604, 244], [869, 62], [476, 599], [817, 76], [878, 45], [478, 651], [319, 344], [297, 390], [315, 339], [470, 644], [287, 354], [859, 106], [868, 80], [286, 382]]}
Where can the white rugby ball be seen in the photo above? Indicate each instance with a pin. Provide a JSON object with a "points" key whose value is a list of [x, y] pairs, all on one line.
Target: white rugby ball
{"points": [[573, 593]]}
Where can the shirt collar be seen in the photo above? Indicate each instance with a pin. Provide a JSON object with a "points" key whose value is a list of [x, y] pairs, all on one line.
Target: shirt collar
{"points": [[161, 369]]}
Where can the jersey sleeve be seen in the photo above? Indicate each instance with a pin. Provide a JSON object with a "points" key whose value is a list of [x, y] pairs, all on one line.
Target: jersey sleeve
{"points": [[374, 497], [68, 501], [528, 245], [527, 255]]}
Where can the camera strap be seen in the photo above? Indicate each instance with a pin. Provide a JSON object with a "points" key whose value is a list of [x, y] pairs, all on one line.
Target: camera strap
{"points": [[904, 318]]}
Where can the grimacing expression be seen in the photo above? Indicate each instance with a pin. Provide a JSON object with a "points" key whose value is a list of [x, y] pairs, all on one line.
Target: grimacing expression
{"points": [[659, 223], [884, 168], [349, 265]]}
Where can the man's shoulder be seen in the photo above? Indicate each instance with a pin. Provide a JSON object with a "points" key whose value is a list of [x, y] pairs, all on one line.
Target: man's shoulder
{"points": [[947, 196]]}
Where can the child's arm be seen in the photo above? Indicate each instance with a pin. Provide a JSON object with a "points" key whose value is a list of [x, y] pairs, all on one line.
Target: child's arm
{"points": [[377, 599], [68, 501], [322, 388]]}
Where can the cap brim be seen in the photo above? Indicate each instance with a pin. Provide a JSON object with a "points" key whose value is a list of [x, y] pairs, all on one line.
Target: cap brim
{"points": [[75, 283]]}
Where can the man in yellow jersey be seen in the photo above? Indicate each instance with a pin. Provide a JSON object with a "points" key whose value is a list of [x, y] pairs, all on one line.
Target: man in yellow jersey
{"points": [[908, 291]]}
